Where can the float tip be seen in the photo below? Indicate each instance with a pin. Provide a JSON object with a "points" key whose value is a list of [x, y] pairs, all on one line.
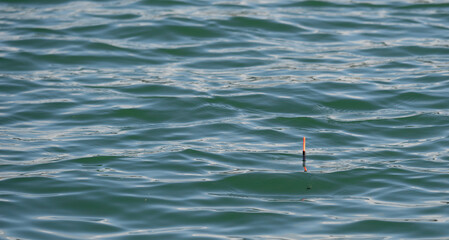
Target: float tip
{"points": [[304, 144]]}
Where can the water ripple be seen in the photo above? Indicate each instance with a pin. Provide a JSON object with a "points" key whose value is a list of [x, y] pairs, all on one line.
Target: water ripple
{"points": [[184, 119]]}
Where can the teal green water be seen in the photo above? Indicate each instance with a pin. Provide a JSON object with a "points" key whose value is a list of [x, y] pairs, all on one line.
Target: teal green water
{"points": [[182, 119]]}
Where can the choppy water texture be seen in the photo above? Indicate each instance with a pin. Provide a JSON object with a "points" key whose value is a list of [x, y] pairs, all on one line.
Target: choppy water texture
{"points": [[183, 119]]}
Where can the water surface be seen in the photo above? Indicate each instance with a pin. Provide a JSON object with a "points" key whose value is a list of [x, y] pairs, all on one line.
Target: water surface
{"points": [[182, 119]]}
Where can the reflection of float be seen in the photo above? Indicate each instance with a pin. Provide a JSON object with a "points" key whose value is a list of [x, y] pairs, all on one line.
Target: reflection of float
{"points": [[304, 153]]}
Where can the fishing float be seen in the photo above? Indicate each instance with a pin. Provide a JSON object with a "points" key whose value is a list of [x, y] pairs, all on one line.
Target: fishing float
{"points": [[304, 153]]}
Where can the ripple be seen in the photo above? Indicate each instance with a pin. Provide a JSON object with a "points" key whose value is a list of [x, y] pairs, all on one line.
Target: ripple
{"points": [[179, 119]]}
